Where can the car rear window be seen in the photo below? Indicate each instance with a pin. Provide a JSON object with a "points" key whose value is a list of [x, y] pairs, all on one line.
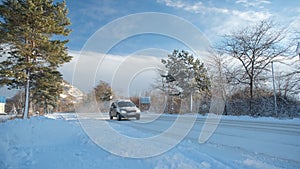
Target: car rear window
{"points": [[126, 104]]}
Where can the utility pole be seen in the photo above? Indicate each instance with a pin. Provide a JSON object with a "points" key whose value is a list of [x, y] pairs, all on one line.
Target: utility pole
{"points": [[298, 49], [191, 103], [274, 90]]}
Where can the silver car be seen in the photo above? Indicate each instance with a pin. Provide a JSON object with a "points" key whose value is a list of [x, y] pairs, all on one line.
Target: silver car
{"points": [[124, 109]]}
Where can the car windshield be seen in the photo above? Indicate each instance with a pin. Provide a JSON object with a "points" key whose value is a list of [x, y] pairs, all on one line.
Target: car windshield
{"points": [[126, 104]]}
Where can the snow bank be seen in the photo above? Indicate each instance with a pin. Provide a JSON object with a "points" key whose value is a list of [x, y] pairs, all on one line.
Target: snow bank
{"points": [[38, 143], [64, 116], [237, 118], [4, 118]]}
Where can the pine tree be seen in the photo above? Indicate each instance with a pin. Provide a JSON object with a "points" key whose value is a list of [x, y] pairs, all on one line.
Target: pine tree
{"points": [[186, 73], [103, 92], [31, 33], [47, 88]]}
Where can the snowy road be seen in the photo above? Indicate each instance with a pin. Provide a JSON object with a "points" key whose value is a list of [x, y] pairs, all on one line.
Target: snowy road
{"points": [[62, 141], [234, 144]]}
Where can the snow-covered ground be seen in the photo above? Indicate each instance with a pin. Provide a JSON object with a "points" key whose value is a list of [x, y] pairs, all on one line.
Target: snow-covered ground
{"points": [[5, 117], [59, 141]]}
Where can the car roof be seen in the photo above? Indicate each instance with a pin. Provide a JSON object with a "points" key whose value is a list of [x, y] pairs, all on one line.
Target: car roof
{"points": [[123, 100]]}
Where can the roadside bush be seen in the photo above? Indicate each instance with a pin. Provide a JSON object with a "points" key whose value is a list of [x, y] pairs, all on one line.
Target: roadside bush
{"points": [[262, 105]]}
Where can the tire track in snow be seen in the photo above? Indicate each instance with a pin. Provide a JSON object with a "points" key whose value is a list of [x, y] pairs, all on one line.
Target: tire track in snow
{"points": [[288, 129]]}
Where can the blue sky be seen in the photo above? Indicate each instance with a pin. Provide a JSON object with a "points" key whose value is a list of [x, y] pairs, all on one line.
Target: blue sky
{"points": [[95, 25], [212, 17], [93, 29]]}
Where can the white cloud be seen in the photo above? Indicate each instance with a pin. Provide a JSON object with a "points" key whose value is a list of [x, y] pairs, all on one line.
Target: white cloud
{"points": [[197, 7], [222, 20], [253, 3], [127, 75], [172, 3], [234, 20], [252, 16]]}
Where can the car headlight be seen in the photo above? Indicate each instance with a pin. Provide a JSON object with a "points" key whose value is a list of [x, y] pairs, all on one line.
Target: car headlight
{"points": [[123, 111], [138, 110]]}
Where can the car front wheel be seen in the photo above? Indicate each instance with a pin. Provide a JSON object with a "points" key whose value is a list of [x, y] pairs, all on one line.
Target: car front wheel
{"points": [[119, 117], [110, 116]]}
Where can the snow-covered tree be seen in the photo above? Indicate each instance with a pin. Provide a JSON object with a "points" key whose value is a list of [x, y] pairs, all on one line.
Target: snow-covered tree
{"points": [[186, 73]]}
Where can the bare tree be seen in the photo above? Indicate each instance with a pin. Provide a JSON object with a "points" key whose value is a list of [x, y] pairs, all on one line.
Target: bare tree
{"points": [[288, 84], [254, 48], [217, 66]]}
